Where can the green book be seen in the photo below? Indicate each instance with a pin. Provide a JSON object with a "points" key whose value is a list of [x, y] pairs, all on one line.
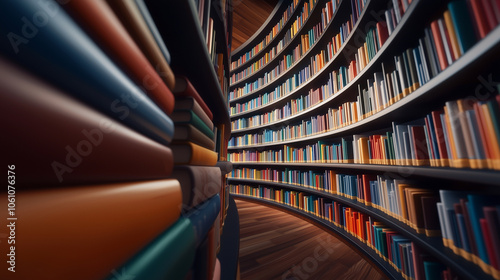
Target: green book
{"points": [[169, 256], [189, 117], [463, 24]]}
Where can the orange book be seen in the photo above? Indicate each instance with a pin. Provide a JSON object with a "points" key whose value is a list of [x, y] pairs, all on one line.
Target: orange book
{"points": [[85, 232], [439, 44], [134, 22], [192, 154], [453, 35], [490, 132]]}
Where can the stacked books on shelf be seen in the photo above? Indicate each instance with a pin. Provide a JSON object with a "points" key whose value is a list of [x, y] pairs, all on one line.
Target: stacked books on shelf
{"points": [[94, 147]]}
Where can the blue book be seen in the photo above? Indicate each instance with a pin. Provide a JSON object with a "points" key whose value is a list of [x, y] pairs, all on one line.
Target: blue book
{"points": [[463, 24], [463, 232], [203, 216], [62, 53], [169, 256]]}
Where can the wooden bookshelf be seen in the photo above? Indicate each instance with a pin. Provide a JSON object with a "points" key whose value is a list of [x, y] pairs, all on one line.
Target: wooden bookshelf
{"points": [[458, 80]]}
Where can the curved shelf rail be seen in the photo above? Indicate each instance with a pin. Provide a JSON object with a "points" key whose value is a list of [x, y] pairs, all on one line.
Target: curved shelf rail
{"points": [[486, 177]]}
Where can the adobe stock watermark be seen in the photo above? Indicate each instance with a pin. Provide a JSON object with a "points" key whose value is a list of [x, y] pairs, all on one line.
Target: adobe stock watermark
{"points": [[30, 26], [310, 264]]}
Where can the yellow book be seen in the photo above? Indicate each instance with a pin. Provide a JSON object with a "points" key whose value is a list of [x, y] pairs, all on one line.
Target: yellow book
{"points": [[453, 36]]}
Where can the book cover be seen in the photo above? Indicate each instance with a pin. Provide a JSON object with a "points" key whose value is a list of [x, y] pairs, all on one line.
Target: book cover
{"points": [[168, 256], [452, 34], [189, 117], [187, 132], [97, 18], [63, 54], [184, 88], [59, 140], [203, 216], [439, 45], [430, 215], [463, 24], [479, 18], [87, 219], [133, 20], [190, 103], [192, 154], [198, 183]]}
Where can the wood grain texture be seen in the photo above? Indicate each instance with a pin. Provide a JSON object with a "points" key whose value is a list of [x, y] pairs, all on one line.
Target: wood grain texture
{"points": [[277, 245], [248, 16]]}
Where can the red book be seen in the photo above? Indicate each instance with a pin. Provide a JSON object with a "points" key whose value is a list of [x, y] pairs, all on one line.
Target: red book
{"points": [[57, 139], [492, 217], [419, 143], [102, 24], [438, 128], [479, 17], [183, 88], [366, 188], [439, 44], [485, 228], [489, 11]]}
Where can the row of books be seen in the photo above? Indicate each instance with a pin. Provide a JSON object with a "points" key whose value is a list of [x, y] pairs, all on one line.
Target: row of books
{"points": [[462, 135], [269, 37], [306, 42], [93, 95], [318, 61], [393, 247]]}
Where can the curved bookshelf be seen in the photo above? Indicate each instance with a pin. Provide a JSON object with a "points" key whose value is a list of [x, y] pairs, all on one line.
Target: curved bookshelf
{"points": [[357, 244], [280, 34], [339, 56], [486, 177], [275, 61], [471, 60], [432, 245]]}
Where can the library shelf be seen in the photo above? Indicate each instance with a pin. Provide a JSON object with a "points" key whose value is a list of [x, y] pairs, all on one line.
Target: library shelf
{"points": [[432, 245]]}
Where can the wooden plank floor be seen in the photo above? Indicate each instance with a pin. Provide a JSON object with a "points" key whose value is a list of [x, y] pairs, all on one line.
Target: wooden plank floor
{"points": [[277, 245]]}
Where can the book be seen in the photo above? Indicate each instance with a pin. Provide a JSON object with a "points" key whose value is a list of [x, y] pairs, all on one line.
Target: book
{"points": [[130, 15], [89, 75], [439, 45], [463, 24], [190, 103], [189, 117], [70, 216], [192, 154], [479, 18], [75, 144], [203, 216], [184, 88], [169, 256], [493, 219], [198, 183], [101, 23], [187, 132]]}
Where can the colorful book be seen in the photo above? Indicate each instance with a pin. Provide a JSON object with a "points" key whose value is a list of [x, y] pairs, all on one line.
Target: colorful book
{"points": [[198, 183], [102, 24], [463, 24], [168, 256], [71, 216], [203, 217], [192, 154], [189, 117], [74, 143], [189, 103], [63, 54], [133, 20]]}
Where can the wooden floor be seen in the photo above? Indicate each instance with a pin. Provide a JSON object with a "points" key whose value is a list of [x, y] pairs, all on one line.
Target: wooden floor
{"points": [[277, 245]]}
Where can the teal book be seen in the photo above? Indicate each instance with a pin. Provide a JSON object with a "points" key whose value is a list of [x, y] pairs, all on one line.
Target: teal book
{"points": [[463, 24], [476, 204], [433, 270], [203, 217], [169, 256], [189, 117]]}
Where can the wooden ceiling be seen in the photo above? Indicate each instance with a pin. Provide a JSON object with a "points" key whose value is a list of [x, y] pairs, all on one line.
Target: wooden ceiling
{"points": [[248, 16]]}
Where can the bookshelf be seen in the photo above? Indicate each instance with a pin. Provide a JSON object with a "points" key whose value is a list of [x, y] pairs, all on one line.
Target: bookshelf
{"points": [[266, 124], [101, 99]]}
